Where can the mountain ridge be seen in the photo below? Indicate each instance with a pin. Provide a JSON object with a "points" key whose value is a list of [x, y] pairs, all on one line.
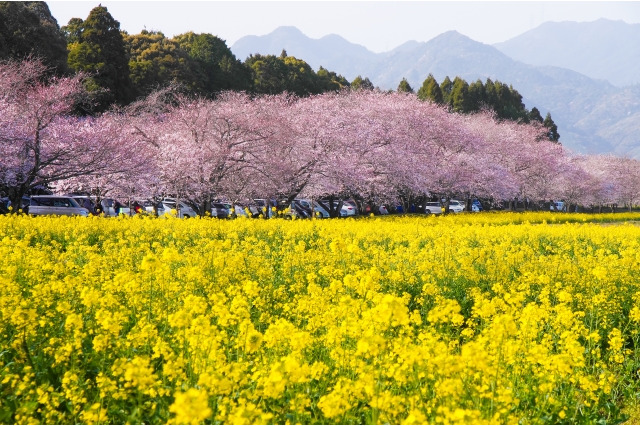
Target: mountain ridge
{"points": [[603, 37]]}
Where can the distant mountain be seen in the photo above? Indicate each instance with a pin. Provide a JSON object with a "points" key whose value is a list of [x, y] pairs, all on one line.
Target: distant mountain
{"points": [[593, 116], [603, 49], [330, 49], [451, 54]]}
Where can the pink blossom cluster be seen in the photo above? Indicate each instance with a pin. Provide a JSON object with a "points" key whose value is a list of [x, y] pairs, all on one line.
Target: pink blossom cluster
{"points": [[375, 145]]}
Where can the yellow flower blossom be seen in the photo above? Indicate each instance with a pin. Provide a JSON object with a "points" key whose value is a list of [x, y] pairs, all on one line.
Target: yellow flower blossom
{"points": [[190, 407], [497, 318]]}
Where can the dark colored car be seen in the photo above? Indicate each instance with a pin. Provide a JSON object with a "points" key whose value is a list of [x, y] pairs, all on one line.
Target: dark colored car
{"points": [[220, 210]]}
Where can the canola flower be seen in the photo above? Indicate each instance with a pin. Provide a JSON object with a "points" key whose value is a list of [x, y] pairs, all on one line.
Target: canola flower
{"points": [[488, 318]]}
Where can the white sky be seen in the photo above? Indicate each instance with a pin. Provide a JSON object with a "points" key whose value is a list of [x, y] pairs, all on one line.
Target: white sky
{"points": [[378, 25]]}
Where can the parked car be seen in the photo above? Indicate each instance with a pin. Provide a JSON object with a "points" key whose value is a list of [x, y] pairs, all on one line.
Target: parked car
{"points": [[345, 210], [319, 211], [87, 203], [220, 210], [165, 206], [255, 210], [432, 207], [108, 207], [183, 210], [353, 205], [24, 204], [299, 209], [558, 206], [260, 207], [56, 205], [240, 210], [368, 209], [456, 206], [4, 205], [383, 210]]}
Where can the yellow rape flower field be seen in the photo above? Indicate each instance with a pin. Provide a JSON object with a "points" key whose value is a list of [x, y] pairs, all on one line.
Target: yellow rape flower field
{"points": [[486, 318]]}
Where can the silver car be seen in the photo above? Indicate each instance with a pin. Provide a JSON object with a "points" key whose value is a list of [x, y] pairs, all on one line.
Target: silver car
{"points": [[432, 207], [56, 205], [456, 206], [184, 211]]}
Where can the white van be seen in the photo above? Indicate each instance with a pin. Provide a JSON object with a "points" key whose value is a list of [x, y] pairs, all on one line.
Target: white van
{"points": [[56, 205], [185, 211]]}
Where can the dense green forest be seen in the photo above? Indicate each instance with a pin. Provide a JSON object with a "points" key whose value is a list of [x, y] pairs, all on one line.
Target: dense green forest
{"points": [[124, 67]]}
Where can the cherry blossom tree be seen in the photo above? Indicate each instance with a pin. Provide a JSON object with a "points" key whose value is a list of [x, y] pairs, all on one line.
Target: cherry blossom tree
{"points": [[532, 163], [371, 146], [40, 142], [574, 184], [126, 167], [602, 189], [201, 147], [624, 174]]}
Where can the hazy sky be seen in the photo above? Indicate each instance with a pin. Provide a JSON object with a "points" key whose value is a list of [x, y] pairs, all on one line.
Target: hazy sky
{"points": [[378, 25]]}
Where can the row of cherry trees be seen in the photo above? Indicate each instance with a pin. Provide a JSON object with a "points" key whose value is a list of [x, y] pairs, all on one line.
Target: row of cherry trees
{"points": [[379, 147]]}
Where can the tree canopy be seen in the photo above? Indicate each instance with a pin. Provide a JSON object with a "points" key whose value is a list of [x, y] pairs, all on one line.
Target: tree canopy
{"points": [[27, 29], [276, 74], [96, 46], [404, 86], [217, 67], [360, 83], [156, 61]]}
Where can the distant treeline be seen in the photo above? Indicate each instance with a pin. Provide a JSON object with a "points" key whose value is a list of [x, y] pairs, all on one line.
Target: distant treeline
{"points": [[124, 67]]}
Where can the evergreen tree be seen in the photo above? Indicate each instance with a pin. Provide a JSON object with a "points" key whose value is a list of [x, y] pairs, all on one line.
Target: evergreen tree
{"points": [[476, 96], [404, 87], [459, 99], [534, 115], [329, 81], [97, 47], [430, 90], [269, 73], [359, 83], [276, 74], [218, 68], [490, 94], [446, 87], [552, 129], [73, 30], [28, 29], [156, 61], [300, 78]]}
